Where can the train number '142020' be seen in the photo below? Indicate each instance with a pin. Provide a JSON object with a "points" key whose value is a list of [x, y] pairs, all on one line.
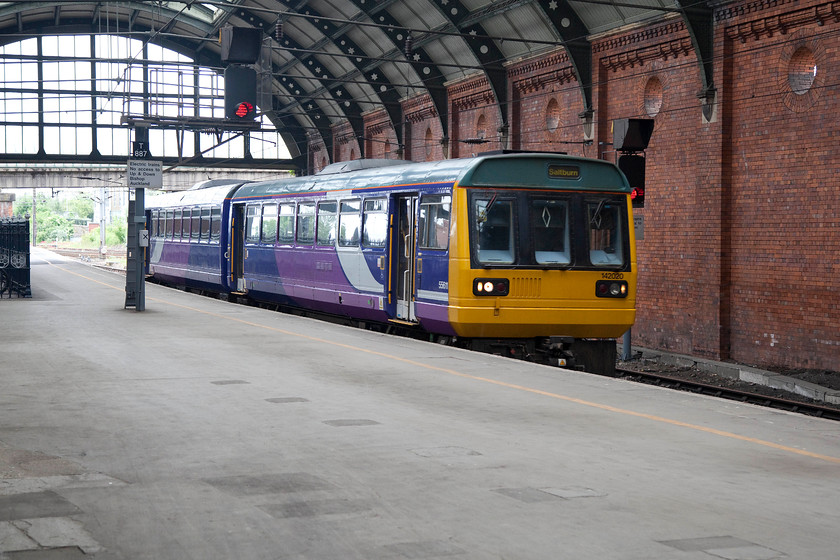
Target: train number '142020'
{"points": [[612, 276]]}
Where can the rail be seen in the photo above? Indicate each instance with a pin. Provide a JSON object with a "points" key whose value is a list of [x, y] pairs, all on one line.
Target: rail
{"points": [[778, 403]]}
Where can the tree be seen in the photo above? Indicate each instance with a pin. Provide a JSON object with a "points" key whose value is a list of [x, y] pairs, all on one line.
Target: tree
{"points": [[53, 227], [80, 207], [55, 217]]}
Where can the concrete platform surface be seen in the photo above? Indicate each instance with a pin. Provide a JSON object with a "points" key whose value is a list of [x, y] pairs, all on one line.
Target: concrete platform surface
{"points": [[200, 429]]}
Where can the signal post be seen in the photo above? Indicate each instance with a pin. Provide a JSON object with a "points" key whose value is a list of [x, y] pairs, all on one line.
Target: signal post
{"points": [[240, 50]]}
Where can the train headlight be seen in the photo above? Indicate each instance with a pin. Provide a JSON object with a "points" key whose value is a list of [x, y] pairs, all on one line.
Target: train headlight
{"points": [[491, 286], [611, 288]]}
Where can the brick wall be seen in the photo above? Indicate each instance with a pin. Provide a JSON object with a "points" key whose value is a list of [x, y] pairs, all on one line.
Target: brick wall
{"points": [[424, 133], [545, 105], [6, 204], [474, 118], [741, 253], [652, 73], [380, 137], [784, 222]]}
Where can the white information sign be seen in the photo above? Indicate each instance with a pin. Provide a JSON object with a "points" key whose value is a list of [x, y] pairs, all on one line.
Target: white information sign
{"points": [[639, 224], [145, 174]]}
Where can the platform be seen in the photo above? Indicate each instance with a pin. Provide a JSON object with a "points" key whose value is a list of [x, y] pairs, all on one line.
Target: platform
{"points": [[201, 429]]}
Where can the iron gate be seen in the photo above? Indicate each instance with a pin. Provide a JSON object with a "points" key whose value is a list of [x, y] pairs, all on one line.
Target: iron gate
{"points": [[14, 257]]}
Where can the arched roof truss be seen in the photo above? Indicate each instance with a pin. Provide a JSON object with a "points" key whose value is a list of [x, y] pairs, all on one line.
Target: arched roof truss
{"points": [[340, 59]]}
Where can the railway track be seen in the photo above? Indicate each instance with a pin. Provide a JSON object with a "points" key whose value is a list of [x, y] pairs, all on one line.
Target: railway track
{"points": [[778, 403], [87, 254]]}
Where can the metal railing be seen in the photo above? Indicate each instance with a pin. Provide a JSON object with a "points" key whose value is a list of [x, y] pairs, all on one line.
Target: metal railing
{"points": [[14, 257]]}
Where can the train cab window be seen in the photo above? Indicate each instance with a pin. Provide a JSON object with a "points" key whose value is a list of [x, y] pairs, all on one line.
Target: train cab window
{"points": [[269, 224], [177, 228], [494, 227], [306, 224], [349, 223], [434, 222], [326, 223], [170, 223], [605, 242], [375, 223], [252, 224], [215, 224], [195, 223], [550, 231], [286, 224], [205, 224]]}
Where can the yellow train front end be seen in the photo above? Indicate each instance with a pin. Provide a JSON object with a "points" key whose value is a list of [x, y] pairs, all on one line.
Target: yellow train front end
{"points": [[543, 249]]}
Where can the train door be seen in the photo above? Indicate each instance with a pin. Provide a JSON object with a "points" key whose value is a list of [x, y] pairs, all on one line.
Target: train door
{"points": [[236, 254], [404, 225]]}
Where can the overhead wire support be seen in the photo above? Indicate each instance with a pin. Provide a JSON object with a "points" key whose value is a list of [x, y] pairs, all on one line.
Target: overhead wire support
{"points": [[376, 59], [348, 81]]}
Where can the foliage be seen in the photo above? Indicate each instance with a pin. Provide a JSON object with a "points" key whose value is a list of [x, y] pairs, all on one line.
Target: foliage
{"points": [[81, 207], [54, 228], [55, 217], [114, 235]]}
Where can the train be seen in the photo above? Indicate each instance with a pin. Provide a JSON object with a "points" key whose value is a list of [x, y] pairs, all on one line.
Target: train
{"points": [[530, 255]]}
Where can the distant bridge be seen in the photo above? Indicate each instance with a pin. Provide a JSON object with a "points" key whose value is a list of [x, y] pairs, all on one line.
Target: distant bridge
{"points": [[63, 176]]}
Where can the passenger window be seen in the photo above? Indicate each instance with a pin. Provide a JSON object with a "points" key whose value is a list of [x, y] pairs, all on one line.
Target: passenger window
{"points": [[306, 224], [434, 222], [605, 243], [326, 223], [205, 224], [252, 224], [177, 231], [550, 227], [155, 223], [269, 223], [494, 225], [375, 223], [195, 223], [349, 223], [215, 224], [286, 224], [169, 223]]}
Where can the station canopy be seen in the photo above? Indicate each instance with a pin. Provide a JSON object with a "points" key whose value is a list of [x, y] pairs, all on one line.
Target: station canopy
{"points": [[325, 62]]}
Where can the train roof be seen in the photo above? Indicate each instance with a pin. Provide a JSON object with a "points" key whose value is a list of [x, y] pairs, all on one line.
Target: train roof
{"points": [[212, 192], [506, 170]]}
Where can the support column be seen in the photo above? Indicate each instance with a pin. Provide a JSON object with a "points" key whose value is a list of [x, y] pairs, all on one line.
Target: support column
{"points": [[137, 240], [137, 236]]}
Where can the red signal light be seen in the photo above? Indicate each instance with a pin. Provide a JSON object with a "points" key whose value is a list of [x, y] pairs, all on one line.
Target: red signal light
{"points": [[244, 110], [637, 197]]}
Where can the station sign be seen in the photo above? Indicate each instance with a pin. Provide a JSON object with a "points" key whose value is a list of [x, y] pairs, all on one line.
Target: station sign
{"points": [[145, 174], [140, 150]]}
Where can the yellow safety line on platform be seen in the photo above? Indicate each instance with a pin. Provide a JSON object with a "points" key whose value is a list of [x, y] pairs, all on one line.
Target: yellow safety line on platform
{"points": [[575, 400]]}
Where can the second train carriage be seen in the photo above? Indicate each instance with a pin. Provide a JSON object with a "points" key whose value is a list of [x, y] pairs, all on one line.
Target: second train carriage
{"points": [[188, 235], [517, 253]]}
